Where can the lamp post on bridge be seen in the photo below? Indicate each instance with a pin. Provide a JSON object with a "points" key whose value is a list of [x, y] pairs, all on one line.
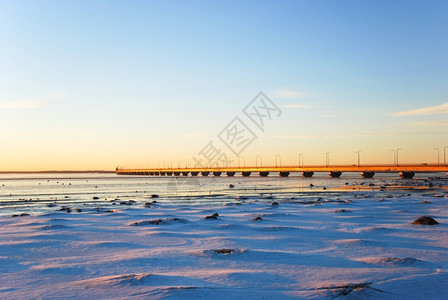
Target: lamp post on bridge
{"points": [[395, 162], [444, 155], [256, 161], [359, 158], [244, 161], [438, 155], [327, 158], [396, 150], [279, 158]]}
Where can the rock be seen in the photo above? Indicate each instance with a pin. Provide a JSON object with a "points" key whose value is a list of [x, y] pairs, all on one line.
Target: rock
{"points": [[96, 198], [342, 211], [21, 215], [225, 251], [154, 196], [153, 222], [425, 202], [212, 217], [231, 186], [257, 219], [159, 221], [425, 221], [311, 185], [274, 203]]}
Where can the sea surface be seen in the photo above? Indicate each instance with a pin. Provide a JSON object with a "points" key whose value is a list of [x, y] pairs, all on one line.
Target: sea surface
{"points": [[43, 193]]}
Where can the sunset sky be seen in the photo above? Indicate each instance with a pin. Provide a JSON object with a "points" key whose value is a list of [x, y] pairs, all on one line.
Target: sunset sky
{"points": [[101, 84]]}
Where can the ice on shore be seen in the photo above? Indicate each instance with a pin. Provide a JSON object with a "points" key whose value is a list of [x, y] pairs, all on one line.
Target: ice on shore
{"points": [[334, 250]]}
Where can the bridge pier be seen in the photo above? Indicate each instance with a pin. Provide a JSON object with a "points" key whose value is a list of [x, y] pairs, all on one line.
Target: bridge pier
{"points": [[176, 173], [205, 173], [185, 173], [307, 173], [162, 173], [263, 173], [367, 174], [169, 173], [217, 174], [245, 173], [407, 174], [194, 173], [335, 174], [230, 174], [283, 173]]}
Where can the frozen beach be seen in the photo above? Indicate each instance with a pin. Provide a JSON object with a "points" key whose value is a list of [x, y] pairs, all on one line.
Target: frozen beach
{"points": [[203, 239]]}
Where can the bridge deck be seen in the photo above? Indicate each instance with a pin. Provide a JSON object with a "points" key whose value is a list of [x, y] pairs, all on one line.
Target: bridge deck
{"points": [[333, 168]]}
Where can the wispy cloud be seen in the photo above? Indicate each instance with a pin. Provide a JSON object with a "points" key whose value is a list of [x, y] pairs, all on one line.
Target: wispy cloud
{"points": [[288, 94], [432, 123], [432, 110], [295, 106], [320, 136], [31, 103]]}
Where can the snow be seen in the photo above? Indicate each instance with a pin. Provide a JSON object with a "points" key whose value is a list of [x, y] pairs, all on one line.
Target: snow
{"points": [[364, 247]]}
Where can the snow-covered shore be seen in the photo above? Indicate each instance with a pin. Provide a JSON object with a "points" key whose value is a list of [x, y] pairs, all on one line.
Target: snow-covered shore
{"points": [[340, 249]]}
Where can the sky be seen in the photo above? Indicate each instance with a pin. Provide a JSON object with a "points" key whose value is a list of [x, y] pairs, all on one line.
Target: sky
{"points": [[92, 85]]}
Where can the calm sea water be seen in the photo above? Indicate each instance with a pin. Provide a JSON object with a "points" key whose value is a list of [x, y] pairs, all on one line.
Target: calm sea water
{"points": [[43, 193]]}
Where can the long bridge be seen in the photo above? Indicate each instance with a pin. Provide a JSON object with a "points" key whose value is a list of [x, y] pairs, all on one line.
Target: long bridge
{"points": [[366, 171]]}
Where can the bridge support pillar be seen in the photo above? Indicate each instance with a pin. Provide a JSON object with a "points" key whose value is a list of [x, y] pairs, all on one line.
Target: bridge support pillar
{"points": [[217, 174], [307, 173], [367, 174], [185, 173], [162, 173], [156, 173], [169, 173], [335, 174], [205, 173], [230, 174], [283, 173], [245, 174], [176, 173], [263, 174], [194, 173], [407, 174]]}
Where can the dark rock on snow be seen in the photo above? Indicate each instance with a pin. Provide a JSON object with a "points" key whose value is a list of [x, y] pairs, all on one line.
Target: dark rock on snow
{"points": [[425, 221]]}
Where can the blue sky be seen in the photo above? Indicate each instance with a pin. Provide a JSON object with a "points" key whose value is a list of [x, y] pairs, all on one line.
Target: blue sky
{"points": [[97, 84]]}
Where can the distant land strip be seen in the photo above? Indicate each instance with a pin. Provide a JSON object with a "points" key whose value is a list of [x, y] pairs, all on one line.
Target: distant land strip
{"points": [[57, 172]]}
